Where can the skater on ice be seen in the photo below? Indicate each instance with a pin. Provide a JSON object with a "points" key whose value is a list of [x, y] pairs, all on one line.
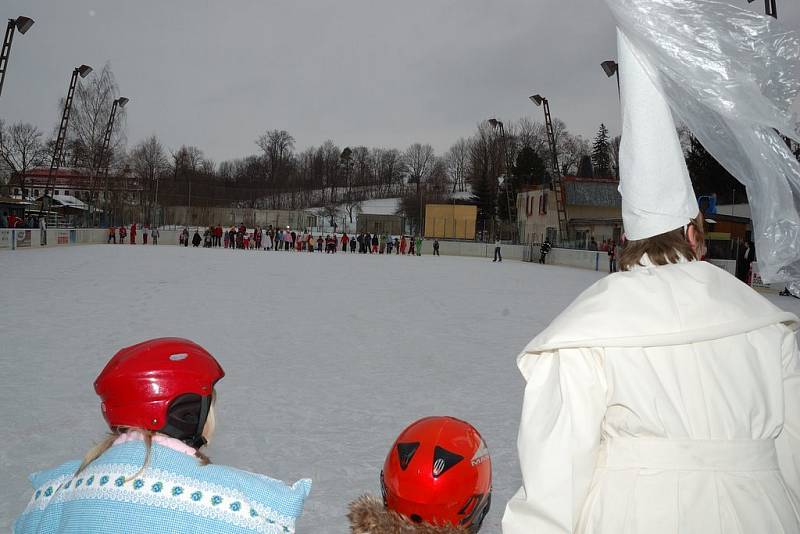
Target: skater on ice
{"points": [[149, 474], [666, 397]]}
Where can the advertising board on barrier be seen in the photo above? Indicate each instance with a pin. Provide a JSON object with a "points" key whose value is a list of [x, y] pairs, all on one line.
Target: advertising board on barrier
{"points": [[5, 239], [755, 277], [23, 238], [62, 237]]}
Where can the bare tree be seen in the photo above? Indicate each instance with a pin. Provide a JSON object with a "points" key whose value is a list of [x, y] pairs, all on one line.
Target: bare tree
{"points": [[91, 109], [457, 159], [187, 161], [148, 162], [419, 160], [21, 149]]}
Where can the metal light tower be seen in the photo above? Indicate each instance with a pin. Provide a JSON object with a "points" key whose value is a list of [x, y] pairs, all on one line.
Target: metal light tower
{"points": [[539, 100], [82, 71], [23, 24], [102, 163], [498, 125], [770, 8], [611, 68]]}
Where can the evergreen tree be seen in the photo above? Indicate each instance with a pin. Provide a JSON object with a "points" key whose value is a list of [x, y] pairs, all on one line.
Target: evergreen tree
{"points": [[529, 168], [711, 178], [601, 153], [483, 194]]}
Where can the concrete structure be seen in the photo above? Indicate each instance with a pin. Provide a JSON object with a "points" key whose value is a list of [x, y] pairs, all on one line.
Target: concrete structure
{"points": [[450, 221], [380, 224], [593, 205]]}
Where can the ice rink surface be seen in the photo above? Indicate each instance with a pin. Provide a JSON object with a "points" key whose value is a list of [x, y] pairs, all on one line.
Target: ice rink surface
{"points": [[327, 357]]}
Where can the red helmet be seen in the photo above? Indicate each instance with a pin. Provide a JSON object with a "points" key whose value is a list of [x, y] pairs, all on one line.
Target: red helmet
{"points": [[162, 384], [439, 471]]}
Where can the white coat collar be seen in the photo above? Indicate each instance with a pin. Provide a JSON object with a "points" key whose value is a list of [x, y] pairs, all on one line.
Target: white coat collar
{"points": [[659, 306]]}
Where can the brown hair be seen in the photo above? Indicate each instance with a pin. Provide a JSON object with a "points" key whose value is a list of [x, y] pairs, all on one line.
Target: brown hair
{"points": [[665, 248]]}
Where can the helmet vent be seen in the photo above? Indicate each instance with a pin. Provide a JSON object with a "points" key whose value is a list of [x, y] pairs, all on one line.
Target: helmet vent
{"points": [[178, 357], [444, 460], [405, 452]]}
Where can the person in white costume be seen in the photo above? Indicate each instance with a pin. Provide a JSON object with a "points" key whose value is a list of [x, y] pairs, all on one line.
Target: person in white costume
{"points": [[665, 398]]}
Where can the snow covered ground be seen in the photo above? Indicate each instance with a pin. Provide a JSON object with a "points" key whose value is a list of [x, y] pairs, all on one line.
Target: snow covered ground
{"points": [[327, 357]]}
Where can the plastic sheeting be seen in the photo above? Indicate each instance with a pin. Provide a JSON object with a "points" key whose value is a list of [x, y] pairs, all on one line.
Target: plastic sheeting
{"points": [[731, 76]]}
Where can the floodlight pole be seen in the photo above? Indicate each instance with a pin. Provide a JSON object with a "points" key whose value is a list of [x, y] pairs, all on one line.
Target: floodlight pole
{"points": [[557, 185], [101, 163], [24, 24], [498, 125], [58, 149], [611, 68], [770, 8]]}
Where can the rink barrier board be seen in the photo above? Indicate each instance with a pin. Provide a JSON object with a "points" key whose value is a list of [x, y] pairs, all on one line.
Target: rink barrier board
{"points": [[22, 238]]}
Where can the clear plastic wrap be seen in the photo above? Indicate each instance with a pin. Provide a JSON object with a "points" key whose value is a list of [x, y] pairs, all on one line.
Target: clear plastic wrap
{"points": [[731, 75]]}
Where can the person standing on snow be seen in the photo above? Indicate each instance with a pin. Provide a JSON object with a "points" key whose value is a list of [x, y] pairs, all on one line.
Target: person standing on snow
{"points": [[145, 233], [544, 250], [665, 398], [612, 257], [112, 235], [419, 246], [345, 240], [122, 233], [497, 255], [154, 233], [133, 234], [435, 247], [150, 472], [42, 231]]}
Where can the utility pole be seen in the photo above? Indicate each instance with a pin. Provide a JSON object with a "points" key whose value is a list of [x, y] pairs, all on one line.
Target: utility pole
{"points": [[23, 24], [557, 183], [58, 150]]}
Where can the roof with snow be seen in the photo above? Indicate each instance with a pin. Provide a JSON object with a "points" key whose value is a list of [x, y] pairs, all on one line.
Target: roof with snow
{"points": [[68, 201]]}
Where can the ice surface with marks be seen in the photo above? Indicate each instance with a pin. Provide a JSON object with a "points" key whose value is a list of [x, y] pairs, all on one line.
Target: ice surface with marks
{"points": [[327, 357]]}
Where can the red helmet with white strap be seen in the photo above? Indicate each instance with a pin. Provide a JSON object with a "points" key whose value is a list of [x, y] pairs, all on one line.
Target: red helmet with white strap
{"points": [[439, 472], [163, 384]]}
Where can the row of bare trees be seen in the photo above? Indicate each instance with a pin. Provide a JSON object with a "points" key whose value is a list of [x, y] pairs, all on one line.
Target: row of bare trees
{"points": [[278, 176]]}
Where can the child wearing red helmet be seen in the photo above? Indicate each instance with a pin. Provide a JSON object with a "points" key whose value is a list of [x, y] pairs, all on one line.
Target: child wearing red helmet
{"points": [[149, 474], [437, 479]]}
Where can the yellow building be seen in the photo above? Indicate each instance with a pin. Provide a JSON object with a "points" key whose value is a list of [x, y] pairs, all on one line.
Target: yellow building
{"points": [[450, 221]]}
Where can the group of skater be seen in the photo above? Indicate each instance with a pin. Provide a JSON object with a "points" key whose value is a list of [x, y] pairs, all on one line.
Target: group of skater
{"points": [[287, 239], [122, 232]]}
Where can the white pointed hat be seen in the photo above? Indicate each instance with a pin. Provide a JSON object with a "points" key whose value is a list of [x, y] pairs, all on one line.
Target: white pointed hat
{"points": [[657, 194]]}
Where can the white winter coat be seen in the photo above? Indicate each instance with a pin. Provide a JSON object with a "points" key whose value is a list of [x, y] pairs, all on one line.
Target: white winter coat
{"points": [[664, 399]]}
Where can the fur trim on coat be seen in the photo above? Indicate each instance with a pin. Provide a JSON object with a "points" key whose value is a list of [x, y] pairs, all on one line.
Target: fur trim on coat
{"points": [[368, 516]]}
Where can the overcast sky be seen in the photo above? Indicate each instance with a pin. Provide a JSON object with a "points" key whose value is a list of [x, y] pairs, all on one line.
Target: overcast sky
{"points": [[216, 74]]}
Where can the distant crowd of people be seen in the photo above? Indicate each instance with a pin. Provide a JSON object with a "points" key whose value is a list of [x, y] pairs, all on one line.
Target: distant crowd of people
{"points": [[242, 238], [122, 232], [12, 221]]}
